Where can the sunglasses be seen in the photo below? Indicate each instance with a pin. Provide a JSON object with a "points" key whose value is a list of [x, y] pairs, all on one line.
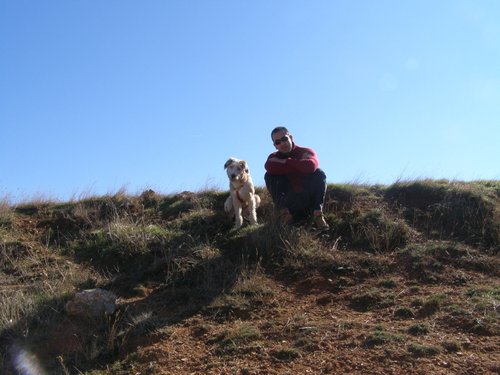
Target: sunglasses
{"points": [[282, 139]]}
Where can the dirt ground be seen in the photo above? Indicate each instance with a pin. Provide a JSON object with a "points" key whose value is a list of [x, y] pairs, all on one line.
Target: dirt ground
{"points": [[312, 327]]}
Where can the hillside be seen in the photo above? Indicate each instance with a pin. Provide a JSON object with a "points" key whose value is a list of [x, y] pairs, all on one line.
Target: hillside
{"points": [[406, 280]]}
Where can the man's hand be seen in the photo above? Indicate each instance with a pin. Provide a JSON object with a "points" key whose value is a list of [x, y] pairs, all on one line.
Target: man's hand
{"points": [[277, 160]]}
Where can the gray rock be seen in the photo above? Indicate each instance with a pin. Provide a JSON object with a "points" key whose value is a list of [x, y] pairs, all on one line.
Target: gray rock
{"points": [[92, 303]]}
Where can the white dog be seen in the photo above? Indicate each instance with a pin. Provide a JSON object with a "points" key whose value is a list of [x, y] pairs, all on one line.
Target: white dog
{"points": [[242, 200]]}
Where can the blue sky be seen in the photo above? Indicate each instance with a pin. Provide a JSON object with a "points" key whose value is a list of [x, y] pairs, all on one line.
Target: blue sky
{"points": [[100, 95]]}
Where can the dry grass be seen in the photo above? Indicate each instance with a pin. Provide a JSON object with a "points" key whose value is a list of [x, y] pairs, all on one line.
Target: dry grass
{"points": [[5, 205]]}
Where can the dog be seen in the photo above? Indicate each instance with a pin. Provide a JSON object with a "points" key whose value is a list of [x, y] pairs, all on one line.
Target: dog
{"points": [[242, 201]]}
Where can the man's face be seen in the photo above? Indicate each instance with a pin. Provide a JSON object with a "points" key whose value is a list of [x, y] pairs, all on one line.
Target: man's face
{"points": [[283, 141]]}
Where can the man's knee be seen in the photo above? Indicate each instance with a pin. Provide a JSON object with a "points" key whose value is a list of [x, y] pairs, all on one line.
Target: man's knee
{"points": [[317, 179], [276, 181], [271, 182], [267, 178], [319, 175], [278, 187]]}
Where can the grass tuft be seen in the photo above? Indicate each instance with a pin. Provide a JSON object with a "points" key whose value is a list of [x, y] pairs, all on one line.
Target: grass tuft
{"points": [[418, 330], [381, 337], [236, 339], [419, 350]]}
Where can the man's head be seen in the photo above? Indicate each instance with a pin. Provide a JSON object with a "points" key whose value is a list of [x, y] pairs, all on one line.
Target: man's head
{"points": [[282, 139]]}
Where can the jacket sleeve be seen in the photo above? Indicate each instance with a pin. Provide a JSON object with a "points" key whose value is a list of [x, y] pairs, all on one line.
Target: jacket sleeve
{"points": [[273, 167], [306, 163]]}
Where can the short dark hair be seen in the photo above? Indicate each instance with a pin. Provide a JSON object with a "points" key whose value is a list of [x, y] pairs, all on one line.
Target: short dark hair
{"points": [[279, 129]]}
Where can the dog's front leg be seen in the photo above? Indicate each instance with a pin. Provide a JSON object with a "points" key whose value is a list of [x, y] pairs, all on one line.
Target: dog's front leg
{"points": [[252, 210], [238, 215], [228, 205]]}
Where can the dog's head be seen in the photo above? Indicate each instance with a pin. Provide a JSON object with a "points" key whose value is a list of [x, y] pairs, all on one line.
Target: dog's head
{"points": [[236, 169]]}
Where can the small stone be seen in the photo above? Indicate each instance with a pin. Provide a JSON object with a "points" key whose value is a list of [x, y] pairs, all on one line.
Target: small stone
{"points": [[92, 303]]}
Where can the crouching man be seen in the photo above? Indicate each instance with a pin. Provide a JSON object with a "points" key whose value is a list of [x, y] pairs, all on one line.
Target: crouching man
{"points": [[296, 183]]}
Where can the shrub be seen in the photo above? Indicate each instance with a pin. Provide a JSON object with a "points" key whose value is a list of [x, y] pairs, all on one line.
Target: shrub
{"points": [[432, 305], [418, 330], [373, 230], [446, 209], [287, 354], [388, 284], [419, 262], [452, 346], [233, 340], [121, 241], [370, 299], [423, 350], [380, 337], [403, 313]]}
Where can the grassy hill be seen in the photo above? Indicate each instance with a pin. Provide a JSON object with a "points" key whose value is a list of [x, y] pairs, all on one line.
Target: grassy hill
{"points": [[407, 280]]}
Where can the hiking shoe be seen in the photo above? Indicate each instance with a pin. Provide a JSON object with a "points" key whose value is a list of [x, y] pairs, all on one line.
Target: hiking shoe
{"points": [[320, 222]]}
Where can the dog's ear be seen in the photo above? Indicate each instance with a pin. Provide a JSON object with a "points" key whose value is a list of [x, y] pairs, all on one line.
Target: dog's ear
{"points": [[244, 166], [228, 162]]}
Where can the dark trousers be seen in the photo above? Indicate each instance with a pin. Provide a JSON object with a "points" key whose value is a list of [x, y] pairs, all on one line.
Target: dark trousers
{"points": [[299, 203]]}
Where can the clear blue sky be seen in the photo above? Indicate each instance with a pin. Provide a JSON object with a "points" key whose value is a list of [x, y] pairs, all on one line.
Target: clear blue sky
{"points": [[96, 95]]}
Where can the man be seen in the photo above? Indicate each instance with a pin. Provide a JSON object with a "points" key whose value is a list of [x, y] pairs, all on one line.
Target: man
{"points": [[293, 178]]}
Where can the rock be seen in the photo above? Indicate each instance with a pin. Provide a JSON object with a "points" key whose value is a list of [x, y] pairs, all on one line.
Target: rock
{"points": [[92, 303]]}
